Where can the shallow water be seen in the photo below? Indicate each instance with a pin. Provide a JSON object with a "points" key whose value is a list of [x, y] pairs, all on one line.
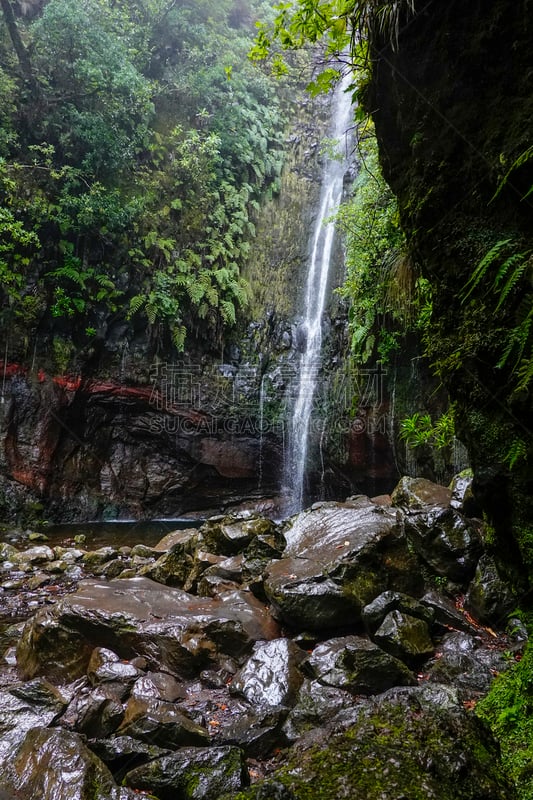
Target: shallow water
{"points": [[109, 534]]}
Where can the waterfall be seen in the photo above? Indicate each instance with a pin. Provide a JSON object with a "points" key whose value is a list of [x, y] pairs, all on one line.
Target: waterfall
{"points": [[261, 429], [315, 301]]}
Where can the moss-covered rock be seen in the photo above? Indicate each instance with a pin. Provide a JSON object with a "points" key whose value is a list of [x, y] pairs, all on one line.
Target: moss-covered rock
{"points": [[416, 743]]}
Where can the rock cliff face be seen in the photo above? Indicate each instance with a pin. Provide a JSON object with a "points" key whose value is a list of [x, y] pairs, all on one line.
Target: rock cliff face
{"points": [[127, 428], [452, 105]]}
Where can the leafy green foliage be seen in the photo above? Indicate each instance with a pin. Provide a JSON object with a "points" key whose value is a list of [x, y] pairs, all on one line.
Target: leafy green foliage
{"points": [[132, 169], [378, 280], [419, 430], [503, 271], [342, 25], [507, 710]]}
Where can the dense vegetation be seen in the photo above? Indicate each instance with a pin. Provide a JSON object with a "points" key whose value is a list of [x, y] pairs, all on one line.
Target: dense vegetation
{"points": [[136, 140]]}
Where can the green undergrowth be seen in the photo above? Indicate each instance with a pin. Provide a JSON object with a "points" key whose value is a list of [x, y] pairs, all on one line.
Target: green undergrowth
{"points": [[508, 710]]}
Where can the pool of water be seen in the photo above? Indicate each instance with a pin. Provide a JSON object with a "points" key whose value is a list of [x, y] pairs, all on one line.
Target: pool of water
{"points": [[113, 533]]}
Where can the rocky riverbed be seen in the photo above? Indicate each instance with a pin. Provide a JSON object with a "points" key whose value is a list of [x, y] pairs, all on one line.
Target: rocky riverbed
{"points": [[337, 655]]}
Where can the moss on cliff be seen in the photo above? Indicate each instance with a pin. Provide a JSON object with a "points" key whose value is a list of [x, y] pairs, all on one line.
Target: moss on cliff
{"points": [[453, 109]]}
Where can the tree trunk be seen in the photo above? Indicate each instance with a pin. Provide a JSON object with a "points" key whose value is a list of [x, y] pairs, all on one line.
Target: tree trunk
{"points": [[22, 53]]}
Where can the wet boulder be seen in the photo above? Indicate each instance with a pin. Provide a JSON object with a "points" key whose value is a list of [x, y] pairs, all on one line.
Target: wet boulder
{"points": [[95, 713], [174, 566], [407, 743], [159, 686], [405, 637], [160, 723], [54, 764], [137, 617], [228, 535], [192, 774], [357, 665], [463, 498], [446, 613], [489, 598], [106, 667], [466, 663], [121, 754], [27, 706], [94, 560], [256, 731], [271, 677], [448, 542], [415, 494], [39, 554], [376, 611], [339, 557], [316, 706]]}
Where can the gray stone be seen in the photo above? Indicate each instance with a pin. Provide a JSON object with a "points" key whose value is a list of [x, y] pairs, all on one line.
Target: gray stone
{"points": [[446, 613], [158, 685], [316, 705], [192, 774], [448, 542], [161, 723], [358, 666], [138, 617], [54, 764], [31, 705], [271, 677], [376, 611], [489, 598], [339, 557], [404, 637]]}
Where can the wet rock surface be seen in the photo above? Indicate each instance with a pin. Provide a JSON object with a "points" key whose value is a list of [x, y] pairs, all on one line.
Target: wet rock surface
{"points": [[176, 680]]}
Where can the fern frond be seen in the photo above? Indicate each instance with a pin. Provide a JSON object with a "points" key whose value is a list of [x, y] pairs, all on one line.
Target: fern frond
{"points": [[227, 311], [520, 263], [136, 303], [522, 159], [483, 267], [151, 311]]}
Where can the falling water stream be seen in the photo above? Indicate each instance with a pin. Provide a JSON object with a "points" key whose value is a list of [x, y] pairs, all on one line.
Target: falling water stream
{"points": [[314, 303]]}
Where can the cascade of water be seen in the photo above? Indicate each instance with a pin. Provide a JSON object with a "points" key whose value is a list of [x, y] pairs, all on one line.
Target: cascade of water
{"points": [[261, 429], [315, 300]]}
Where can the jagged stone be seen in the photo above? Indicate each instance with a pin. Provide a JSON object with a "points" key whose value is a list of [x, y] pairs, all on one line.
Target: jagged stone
{"points": [[448, 542], [466, 664], [31, 705], [404, 637], [375, 612], [192, 774], [339, 557], [271, 677], [414, 494], [489, 598], [316, 705], [159, 686], [357, 665], [54, 764], [256, 731], [161, 723], [446, 613], [411, 742]]}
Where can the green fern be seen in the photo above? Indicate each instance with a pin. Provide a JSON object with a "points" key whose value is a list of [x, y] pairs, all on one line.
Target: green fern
{"points": [[516, 452], [136, 303], [511, 271], [522, 159], [484, 265], [227, 310]]}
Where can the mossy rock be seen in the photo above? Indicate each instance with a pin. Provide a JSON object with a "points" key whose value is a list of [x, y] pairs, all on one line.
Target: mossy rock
{"points": [[406, 745]]}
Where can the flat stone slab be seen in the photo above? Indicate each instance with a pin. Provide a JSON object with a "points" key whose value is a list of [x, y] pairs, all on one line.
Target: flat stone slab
{"points": [[132, 617]]}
